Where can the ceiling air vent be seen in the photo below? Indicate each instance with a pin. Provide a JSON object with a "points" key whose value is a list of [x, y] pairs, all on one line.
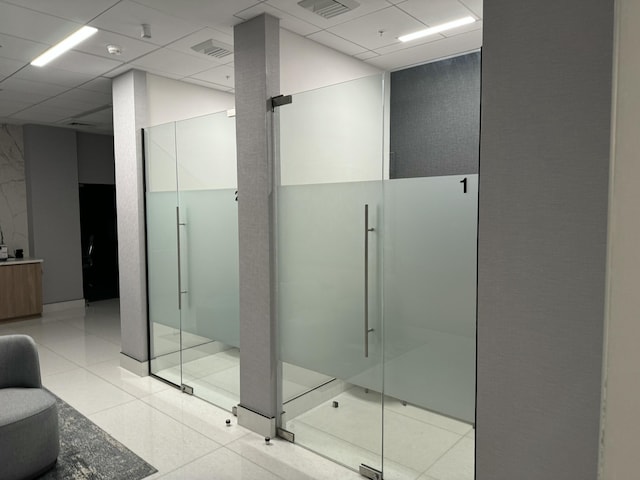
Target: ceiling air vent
{"points": [[329, 8], [213, 48]]}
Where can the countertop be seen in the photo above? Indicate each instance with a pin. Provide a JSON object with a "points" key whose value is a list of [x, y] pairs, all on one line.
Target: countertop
{"points": [[19, 261]]}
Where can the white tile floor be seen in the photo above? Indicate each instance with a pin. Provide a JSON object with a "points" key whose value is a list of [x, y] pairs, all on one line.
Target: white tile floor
{"points": [[181, 436], [186, 438]]}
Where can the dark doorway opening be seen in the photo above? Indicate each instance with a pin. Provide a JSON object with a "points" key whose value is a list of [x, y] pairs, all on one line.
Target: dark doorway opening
{"points": [[99, 241]]}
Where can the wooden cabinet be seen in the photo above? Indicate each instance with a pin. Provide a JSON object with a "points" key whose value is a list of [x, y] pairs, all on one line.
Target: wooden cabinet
{"points": [[20, 290]]}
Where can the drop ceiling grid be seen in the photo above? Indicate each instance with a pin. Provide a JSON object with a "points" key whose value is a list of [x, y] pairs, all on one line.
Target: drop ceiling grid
{"points": [[176, 26]]}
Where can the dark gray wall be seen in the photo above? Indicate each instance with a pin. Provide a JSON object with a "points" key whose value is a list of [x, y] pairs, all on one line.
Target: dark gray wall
{"points": [[435, 118], [257, 67], [51, 169], [544, 163], [95, 158]]}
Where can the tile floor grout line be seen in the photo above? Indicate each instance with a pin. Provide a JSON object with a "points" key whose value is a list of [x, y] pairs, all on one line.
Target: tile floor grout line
{"points": [[426, 472]]}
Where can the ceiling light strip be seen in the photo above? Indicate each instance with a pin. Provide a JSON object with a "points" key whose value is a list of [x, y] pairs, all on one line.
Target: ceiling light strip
{"points": [[437, 29], [63, 46]]}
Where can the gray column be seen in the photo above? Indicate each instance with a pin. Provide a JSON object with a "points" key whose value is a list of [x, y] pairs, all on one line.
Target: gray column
{"points": [[257, 72], [130, 115], [544, 172]]}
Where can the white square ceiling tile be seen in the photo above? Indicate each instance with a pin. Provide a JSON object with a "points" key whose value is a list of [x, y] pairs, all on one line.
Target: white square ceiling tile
{"points": [[7, 94], [402, 45], [216, 14], [288, 21], [83, 63], [171, 61], [34, 26], [337, 43], [86, 96], [222, 75], [130, 48], [8, 67], [20, 49], [184, 44], [57, 102], [8, 107], [104, 116], [27, 86], [76, 10], [100, 84], [292, 7], [365, 31], [435, 12], [45, 114], [127, 17], [428, 52], [204, 83], [366, 55], [463, 29], [474, 5], [53, 75]]}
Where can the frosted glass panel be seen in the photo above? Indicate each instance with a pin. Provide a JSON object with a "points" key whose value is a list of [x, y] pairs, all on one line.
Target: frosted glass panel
{"points": [[430, 293], [206, 149], [160, 158], [321, 279], [209, 244]]}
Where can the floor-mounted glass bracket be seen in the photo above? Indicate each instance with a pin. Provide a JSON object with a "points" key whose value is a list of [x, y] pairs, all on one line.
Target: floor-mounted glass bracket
{"points": [[286, 435], [370, 472]]}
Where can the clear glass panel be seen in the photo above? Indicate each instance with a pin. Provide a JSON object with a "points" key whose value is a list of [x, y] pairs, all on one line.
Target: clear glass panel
{"points": [[206, 153], [331, 166], [429, 322], [162, 252]]}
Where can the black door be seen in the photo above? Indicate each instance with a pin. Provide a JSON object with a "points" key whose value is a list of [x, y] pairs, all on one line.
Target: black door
{"points": [[99, 241]]}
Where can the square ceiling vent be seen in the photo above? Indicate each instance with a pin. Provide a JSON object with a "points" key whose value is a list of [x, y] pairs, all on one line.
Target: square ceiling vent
{"points": [[213, 48], [329, 8]]}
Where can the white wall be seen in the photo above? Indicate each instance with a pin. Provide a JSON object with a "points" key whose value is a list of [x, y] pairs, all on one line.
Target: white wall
{"points": [[171, 100], [306, 65], [621, 392], [13, 194]]}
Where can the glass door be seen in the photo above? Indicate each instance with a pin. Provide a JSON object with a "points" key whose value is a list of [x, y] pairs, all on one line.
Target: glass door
{"points": [[329, 226], [194, 276]]}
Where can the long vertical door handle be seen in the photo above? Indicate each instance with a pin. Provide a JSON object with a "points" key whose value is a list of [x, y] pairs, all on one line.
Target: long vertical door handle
{"points": [[179, 265], [366, 280]]}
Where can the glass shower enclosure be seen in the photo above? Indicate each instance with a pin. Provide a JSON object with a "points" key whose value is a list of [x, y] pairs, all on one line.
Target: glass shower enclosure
{"points": [[376, 291], [192, 256]]}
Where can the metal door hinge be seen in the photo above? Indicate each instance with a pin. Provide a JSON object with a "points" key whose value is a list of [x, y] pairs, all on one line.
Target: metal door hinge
{"points": [[186, 389], [280, 100]]}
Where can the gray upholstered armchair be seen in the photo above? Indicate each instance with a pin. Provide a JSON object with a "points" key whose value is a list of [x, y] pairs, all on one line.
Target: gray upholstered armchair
{"points": [[29, 442]]}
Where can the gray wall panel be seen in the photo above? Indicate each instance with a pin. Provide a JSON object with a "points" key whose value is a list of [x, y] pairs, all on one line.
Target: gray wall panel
{"points": [[51, 169], [546, 99], [435, 118]]}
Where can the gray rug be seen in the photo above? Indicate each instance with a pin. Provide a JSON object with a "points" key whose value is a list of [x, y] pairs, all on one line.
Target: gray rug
{"points": [[88, 452]]}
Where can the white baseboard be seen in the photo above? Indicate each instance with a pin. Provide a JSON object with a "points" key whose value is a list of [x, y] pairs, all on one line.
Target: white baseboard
{"points": [[134, 366]]}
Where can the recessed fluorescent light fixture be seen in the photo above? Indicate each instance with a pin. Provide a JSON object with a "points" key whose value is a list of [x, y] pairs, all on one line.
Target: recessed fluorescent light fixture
{"points": [[437, 29], [65, 45]]}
